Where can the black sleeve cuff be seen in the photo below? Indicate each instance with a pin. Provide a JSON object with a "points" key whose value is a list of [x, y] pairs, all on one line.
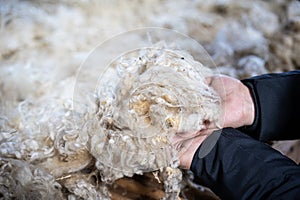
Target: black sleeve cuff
{"points": [[253, 129], [277, 109]]}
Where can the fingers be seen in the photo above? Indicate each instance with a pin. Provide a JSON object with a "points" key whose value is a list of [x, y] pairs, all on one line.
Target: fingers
{"points": [[179, 140], [187, 134], [186, 144], [188, 149], [208, 80], [216, 125]]}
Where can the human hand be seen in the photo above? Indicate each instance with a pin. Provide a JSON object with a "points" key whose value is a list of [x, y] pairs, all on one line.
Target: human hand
{"points": [[187, 143], [237, 107]]}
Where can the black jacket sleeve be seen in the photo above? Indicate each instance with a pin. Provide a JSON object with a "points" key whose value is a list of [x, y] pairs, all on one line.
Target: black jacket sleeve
{"points": [[239, 167], [277, 106]]}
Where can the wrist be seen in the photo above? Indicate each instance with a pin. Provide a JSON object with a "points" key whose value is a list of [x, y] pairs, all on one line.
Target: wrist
{"points": [[248, 107]]}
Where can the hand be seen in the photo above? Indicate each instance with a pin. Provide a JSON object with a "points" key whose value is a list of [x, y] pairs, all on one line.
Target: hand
{"points": [[187, 143], [237, 107]]}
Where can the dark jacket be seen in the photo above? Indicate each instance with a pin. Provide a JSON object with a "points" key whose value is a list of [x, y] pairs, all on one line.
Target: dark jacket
{"points": [[241, 166]]}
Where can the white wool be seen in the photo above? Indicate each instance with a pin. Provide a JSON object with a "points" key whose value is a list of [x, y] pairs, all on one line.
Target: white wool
{"points": [[251, 65], [144, 99], [294, 9], [24, 181], [263, 20], [42, 45], [242, 38]]}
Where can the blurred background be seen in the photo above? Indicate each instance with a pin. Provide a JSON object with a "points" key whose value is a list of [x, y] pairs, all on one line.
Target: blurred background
{"points": [[44, 42]]}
